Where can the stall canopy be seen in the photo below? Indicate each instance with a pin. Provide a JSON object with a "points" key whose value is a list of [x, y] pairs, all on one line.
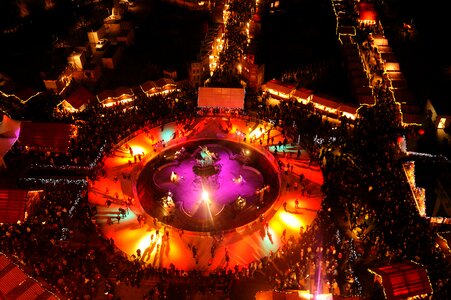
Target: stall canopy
{"points": [[221, 97], [15, 284], [45, 136], [12, 205], [280, 87], [403, 280], [117, 96]]}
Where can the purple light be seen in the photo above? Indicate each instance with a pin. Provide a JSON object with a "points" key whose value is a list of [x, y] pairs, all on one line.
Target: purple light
{"points": [[207, 193]]}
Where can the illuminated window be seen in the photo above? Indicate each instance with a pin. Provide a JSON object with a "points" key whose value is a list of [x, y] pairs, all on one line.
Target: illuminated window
{"points": [[442, 123]]}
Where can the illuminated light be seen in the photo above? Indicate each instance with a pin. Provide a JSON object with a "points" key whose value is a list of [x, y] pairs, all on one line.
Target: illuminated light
{"points": [[421, 131], [290, 220], [21, 101], [441, 123], [144, 243], [205, 196], [167, 134], [137, 150]]}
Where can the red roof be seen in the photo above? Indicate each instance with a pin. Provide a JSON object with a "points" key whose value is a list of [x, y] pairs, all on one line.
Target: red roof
{"points": [[303, 93], [148, 85], [164, 81], [45, 136], [12, 206], [279, 87], [348, 109], [79, 97], [115, 95], [15, 284], [404, 280], [325, 102]]}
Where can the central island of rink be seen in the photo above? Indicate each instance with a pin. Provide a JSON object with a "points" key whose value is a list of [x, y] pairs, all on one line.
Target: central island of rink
{"points": [[208, 185]]}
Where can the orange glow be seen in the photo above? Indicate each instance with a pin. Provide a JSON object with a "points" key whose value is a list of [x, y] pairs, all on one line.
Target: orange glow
{"points": [[247, 244], [290, 220]]}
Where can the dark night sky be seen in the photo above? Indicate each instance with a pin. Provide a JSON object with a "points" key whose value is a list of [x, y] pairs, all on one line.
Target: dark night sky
{"points": [[425, 59]]}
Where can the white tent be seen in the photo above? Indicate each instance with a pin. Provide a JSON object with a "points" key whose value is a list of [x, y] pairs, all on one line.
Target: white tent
{"points": [[221, 97]]}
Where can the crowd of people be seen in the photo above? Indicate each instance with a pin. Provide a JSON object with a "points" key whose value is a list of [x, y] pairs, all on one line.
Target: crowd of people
{"points": [[358, 225]]}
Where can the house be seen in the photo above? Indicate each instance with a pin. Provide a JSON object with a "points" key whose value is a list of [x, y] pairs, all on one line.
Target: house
{"points": [[252, 72], [196, 73], [57, 79], [439, 113], [111, 57]]}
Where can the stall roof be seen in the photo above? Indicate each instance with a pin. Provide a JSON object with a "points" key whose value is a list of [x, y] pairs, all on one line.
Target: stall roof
{"points": [[148, 85], [45, 136], [116, 94], [303, 93], [15, 284], [351, 109], [279, 87], [12, 205], [326, 102], [404, 280], [80, 97]]}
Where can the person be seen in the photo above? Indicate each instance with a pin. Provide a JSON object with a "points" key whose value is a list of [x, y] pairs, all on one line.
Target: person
{"points": [[227, 257], [285, 205], [296, 203]]}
